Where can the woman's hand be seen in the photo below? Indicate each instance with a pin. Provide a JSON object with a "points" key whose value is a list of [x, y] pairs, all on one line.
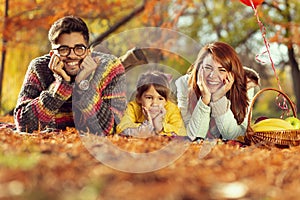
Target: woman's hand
{"points": [[228, 82], [206, 95]]}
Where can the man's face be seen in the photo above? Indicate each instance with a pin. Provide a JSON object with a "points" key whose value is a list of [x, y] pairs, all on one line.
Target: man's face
{"points": [[72, 61]]}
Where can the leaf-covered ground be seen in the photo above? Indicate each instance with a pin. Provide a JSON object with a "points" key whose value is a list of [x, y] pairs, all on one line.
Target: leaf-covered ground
{"points": [[58, 166]]}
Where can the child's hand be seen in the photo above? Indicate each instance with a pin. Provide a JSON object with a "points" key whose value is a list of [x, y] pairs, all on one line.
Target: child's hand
{"points": [[158, 119], [161, 113], [147, 114], [206, 95], [228, 82], [155, 116]]}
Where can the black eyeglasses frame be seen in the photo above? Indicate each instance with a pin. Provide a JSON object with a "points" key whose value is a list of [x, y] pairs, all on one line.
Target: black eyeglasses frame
{"points": [[72, 48]]}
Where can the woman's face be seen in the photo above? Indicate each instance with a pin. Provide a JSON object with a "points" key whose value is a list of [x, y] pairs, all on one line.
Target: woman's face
{"points": [[214, 74], [152, 100]]}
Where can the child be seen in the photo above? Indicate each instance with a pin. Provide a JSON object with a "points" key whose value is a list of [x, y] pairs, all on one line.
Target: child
{"points": [[152, 112]]}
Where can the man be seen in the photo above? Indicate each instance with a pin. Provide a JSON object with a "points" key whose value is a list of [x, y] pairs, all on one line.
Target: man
{"points": [[72, 84]]}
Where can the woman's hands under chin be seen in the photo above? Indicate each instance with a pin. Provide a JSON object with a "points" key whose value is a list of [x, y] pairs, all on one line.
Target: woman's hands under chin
{"points": [[228, 82]]}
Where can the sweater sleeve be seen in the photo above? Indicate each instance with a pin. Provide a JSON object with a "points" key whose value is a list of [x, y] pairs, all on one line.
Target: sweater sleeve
{"points": [[129, 119], [38, 102], [173, 122], [199, 122], [182, 97], [100, 108], [225, 121]]}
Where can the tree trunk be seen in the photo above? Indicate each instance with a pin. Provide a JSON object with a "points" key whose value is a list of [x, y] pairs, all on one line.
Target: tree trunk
{"points": [[124, 20], [292, 59], [295, 75], [3, 54]]}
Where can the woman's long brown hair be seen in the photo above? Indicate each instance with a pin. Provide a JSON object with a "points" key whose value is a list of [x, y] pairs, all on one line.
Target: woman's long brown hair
{"points": [[228, 58]]}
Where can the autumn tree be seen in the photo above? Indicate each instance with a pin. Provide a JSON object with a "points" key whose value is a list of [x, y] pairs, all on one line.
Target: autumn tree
{"points": [[24, 31], [28, 21], [235, 23], [284, 17], [26, 25]]}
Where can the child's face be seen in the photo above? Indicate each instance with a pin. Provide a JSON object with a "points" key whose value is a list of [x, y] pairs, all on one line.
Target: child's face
{"points": [[152, 100]]}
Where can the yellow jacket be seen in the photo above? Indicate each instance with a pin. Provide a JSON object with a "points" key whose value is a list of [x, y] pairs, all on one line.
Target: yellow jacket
{"points": [[134, 117]]}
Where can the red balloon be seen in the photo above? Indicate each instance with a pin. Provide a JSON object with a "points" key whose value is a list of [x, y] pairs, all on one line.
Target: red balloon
{"points": [[255, 2]]}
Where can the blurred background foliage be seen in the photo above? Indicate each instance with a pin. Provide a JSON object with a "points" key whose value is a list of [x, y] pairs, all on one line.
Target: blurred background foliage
{"points": [[25, 23]]}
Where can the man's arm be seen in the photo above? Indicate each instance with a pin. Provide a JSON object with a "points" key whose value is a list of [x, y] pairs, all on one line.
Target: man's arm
{"points": [[100, 108], [40, 97]]}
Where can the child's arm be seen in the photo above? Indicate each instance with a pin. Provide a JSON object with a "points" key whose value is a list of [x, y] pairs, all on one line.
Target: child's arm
{"points": [[133, 123], [172, 122], [157, 121]]}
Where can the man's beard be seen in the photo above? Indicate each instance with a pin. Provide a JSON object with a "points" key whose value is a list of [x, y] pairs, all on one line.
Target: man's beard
{"points": [[73, 74]]}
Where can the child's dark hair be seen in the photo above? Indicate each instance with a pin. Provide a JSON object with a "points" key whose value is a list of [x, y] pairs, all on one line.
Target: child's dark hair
{"points": [[156, 78]]}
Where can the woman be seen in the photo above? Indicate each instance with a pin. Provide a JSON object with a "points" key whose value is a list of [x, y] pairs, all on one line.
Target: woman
{"points": [[213, 95]]}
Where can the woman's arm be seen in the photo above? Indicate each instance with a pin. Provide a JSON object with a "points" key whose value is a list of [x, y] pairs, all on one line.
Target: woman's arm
{"points": [[199, 121], [182, 97], [225, 121]]}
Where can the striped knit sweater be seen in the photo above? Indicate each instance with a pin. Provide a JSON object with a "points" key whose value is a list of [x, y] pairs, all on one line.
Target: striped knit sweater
{"points": [[46, 102]]}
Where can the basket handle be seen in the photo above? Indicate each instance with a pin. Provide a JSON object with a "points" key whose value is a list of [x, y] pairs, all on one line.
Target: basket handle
{"points": [[263, 90]]}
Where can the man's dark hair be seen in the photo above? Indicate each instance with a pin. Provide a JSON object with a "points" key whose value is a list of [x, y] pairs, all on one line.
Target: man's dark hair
{"points": [[68, 24]]}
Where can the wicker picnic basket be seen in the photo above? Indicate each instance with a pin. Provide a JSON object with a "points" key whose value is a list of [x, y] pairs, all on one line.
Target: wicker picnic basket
{"points": [[278, 138]]}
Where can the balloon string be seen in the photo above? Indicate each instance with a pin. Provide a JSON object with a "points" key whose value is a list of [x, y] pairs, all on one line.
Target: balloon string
{"points": [[282, 105]]}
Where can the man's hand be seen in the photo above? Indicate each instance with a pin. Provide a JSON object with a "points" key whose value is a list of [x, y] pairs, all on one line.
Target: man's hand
{"points": [[87, 67], [56, 66]]}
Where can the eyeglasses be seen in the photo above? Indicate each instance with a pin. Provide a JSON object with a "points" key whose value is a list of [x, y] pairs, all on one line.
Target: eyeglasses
{"points": [[79, 50]]}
